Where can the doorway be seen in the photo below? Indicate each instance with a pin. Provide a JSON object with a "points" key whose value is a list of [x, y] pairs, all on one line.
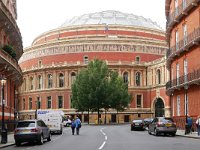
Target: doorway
{"points": [[159, 108]]}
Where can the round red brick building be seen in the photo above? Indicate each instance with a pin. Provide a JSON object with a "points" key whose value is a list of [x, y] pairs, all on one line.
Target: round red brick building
{"points": [[132, 45]]}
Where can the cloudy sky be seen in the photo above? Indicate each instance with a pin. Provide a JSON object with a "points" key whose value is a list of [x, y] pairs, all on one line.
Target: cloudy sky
{"points": [[38, 16]]}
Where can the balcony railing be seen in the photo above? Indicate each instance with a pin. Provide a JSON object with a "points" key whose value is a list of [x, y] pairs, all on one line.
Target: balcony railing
{"points": [[184, 44], [190, 78], [180, 11]]}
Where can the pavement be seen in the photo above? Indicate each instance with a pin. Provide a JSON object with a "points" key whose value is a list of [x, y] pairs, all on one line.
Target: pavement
{"points": [[181, 133]]}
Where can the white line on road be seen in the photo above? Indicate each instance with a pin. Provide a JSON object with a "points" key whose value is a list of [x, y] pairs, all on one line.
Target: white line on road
{"points": [[102, 145], [105, 139]]}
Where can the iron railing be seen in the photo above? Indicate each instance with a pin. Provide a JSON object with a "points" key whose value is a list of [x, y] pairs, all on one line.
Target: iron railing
{"points": [[190, 78], [184, 44], [179, 12]]}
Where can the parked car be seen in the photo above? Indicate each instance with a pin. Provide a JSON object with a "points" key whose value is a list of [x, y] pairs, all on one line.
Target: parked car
{"points": [[67, 123], [137, 125], [31, 131], [147, 121], [162, 125]]}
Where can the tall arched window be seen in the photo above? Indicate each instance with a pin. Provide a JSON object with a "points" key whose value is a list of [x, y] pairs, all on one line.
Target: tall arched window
{"points": [[31, 83], [50, 81], [61, 80], [39, 82], [158, 76], [24, 88], [137, 78], [73, 77], [125, 77]]}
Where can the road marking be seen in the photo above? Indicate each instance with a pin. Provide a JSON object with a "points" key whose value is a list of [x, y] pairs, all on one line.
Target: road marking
{"points": [[102, 145]]}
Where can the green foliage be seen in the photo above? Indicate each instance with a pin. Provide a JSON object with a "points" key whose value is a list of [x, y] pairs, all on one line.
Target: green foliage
{"points": [[96, 87], [9, 49]]}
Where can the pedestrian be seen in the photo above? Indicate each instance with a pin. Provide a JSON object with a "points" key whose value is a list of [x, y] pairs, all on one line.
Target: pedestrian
{"points": [[78, 125], [198, 125], [73, 125], [189, 123]]}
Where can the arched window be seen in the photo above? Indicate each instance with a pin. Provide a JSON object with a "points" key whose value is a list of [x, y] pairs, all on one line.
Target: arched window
{"points": [[125, 77], [39, 82], [73, 77], [61, 80], [137, 59], [50, 81], [85, 59], [137, 78], [158, 76], [24, 84], [31, 83]]}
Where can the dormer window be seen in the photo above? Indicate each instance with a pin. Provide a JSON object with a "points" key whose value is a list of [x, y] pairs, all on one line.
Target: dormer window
{"points": [[85, 59]]}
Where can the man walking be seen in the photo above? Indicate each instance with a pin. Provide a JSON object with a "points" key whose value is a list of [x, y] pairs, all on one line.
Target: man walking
{"points": [[78, 125], [198, 125]]}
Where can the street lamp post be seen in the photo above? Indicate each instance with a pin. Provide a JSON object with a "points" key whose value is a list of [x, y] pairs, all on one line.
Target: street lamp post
{"points": [[3, 129], [36, 105]]}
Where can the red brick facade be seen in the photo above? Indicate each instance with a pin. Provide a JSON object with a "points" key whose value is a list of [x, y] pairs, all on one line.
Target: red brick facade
{"points": [[183, 30], [60, 54]]}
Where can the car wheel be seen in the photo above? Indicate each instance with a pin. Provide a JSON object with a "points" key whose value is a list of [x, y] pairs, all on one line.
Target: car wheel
{"points": [[41, 140], [17, 143], [49, 138], [173, 134], [155, 132], [149, 132]]}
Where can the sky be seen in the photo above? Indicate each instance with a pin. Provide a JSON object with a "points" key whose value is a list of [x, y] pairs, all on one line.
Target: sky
{"points": [[38, 16]]}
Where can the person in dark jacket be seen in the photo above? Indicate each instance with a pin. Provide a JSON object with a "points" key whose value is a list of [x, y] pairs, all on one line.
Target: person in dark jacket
{"points": [[73, 125]]}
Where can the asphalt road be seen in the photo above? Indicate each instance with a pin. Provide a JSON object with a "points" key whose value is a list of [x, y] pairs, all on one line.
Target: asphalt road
{"points": [[115, 137]]}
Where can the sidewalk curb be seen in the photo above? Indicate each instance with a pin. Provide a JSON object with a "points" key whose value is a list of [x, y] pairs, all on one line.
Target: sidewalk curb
{"points": [[192, 137], [6, 145]]}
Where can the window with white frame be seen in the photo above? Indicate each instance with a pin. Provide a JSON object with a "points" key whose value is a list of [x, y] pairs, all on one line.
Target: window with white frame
{"points": [[186, 103], [125, 77], [73, 77], [86, 59], [184, 4], [50, 80], [137, 79], [158, 76], [139, 101], [185, 67], [178, 103], [184, 34], [38, 102], [176, 7], [177, 74], [49, 102], [30, 103], [177, 40], [61, 80], [39, 82], [60, 101]]}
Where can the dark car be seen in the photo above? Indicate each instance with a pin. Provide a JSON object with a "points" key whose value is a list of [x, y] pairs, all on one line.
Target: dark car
{"points": [[31, 131], [162, 125], [137, 125], [147, 121]]}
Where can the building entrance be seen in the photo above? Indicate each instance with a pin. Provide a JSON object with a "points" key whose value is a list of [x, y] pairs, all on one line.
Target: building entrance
{"points": [[159, 108]]}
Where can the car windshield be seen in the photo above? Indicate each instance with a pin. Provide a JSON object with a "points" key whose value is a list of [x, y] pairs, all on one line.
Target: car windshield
{"points": [[166, 120], [137, 121], [26, 124]]}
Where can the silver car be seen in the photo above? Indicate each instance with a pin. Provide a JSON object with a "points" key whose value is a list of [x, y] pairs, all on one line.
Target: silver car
{"points": [[162, 125], [31, 131]]}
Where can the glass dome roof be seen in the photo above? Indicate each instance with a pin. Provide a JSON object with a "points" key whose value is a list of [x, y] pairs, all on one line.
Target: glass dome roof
{"points": [[112, 17]]}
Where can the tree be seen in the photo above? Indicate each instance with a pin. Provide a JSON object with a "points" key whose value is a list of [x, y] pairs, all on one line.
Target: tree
{"points": [[120, 98], [96, 87]]}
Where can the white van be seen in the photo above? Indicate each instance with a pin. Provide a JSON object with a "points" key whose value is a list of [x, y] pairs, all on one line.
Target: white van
{"points": [[52, 118]]}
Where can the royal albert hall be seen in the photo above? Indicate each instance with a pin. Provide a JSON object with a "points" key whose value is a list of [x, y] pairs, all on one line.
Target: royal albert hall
{"points": [[132, 45]]}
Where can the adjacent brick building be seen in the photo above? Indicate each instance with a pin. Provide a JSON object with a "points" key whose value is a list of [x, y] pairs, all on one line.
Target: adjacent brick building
{"points": [[9, 69], [183, 32], [132, 45]]}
